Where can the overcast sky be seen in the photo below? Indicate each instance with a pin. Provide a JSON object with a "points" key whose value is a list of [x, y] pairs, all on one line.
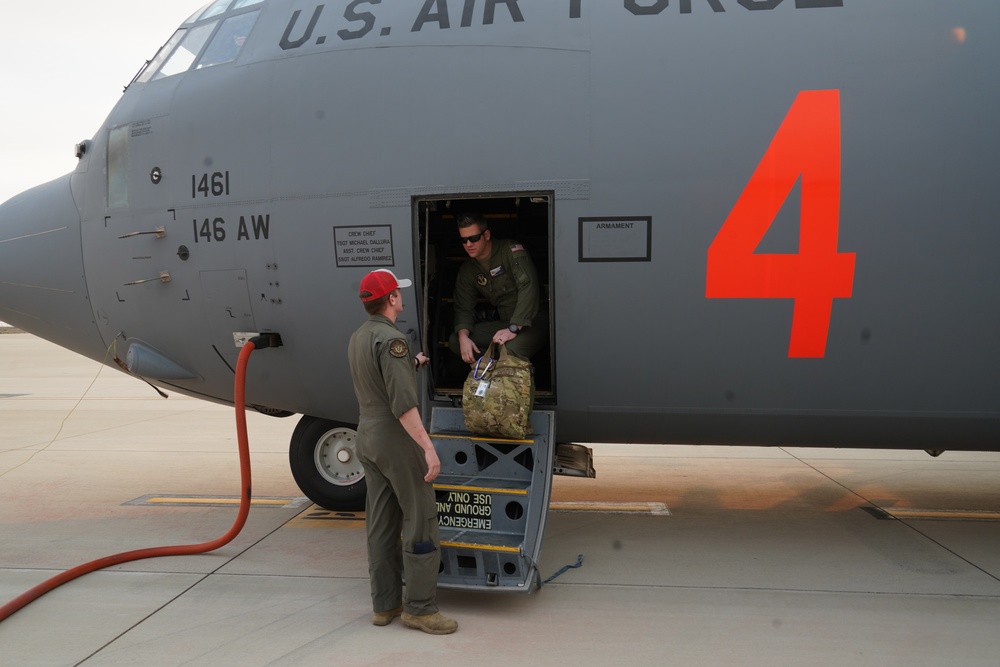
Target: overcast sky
{"points": [[63, 65]]}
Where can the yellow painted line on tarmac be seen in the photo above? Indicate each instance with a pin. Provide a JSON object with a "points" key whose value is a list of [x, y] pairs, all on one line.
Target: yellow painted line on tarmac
{"points": [[29, 397], [968, 515], [178, 500], [213, 501], [658, 509], [320, 518]]}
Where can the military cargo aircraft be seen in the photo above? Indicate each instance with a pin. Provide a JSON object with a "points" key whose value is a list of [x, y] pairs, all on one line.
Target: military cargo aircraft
{"points": [[758, 222]]}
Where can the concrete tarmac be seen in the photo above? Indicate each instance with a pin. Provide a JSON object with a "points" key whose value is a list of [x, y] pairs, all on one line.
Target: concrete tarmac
{"points": [[708, 555]]}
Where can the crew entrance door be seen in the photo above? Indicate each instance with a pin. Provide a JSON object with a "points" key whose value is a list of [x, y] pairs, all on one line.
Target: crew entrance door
{"points": [[523, 217]]}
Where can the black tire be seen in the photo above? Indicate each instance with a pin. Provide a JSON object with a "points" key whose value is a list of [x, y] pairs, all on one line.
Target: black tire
{"points": [[325, 464]]}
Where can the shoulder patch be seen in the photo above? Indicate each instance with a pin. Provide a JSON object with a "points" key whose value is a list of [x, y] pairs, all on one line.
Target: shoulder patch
{"points": [[516, 247], [481, 280], [398, 348]]}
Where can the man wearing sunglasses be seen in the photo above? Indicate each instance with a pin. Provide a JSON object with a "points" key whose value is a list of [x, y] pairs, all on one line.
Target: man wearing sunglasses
{"points": [[501, 272]]}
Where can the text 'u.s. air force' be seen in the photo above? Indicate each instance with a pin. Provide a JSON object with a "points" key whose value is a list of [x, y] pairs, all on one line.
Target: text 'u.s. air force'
{"points": [[362, 19]]}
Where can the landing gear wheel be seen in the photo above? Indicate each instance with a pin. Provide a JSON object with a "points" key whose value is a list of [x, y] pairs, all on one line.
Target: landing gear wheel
{"points": [[325, 464]]}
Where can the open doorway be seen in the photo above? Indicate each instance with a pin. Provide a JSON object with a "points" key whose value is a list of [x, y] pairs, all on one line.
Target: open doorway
{"points": [[523, 217]]}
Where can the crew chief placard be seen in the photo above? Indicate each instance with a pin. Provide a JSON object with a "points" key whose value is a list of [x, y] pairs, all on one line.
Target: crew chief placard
{"points": [[369, 246]]}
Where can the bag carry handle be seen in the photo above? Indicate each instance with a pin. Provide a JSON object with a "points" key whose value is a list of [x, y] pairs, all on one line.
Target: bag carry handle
{"points": [[476, 373]]}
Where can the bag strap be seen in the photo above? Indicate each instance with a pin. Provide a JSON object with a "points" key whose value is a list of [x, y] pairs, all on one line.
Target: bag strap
{"points": [[509, 359]]}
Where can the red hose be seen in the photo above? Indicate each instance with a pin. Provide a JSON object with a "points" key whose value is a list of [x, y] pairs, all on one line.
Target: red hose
{"points": [[239, 400]]}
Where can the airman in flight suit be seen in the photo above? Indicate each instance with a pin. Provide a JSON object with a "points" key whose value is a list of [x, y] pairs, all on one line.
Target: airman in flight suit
{"points": [[501, 272], [399, 462]]}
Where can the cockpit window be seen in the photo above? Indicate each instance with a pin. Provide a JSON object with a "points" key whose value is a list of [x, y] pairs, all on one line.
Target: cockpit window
{"points": [[185, 54], [214, 35], [153, 65], [218, 7], [228, 41], [214, 9], [193, 17]]}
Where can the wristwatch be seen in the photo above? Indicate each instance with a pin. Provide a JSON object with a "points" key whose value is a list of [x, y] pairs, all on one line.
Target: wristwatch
{"points": [[513, 328]]}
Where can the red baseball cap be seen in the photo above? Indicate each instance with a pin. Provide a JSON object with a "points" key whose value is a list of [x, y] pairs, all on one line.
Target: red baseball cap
{"points": [[380, 282]]}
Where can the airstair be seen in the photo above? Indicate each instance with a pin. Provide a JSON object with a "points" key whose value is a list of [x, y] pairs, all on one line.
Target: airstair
{"points": [[493, 498]]}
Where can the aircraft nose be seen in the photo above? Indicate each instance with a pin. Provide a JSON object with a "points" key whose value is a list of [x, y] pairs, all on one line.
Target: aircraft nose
{"points": [[43, 289]]}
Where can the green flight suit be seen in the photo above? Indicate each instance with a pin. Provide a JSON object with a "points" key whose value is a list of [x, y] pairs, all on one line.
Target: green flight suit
{"points": [[399, 501], [508, 280]]}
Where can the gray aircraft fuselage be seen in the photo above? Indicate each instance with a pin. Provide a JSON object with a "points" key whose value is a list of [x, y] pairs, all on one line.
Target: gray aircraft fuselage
{"points": [[757, 221]]}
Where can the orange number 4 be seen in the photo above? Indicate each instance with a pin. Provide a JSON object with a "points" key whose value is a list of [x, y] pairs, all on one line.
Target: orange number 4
{"points": [[807, 145]]}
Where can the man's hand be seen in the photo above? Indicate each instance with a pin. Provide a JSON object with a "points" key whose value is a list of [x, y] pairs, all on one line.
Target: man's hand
{"points": [[504, 336], [415, 428], [468, 350], [433, 465], [422, 359]]}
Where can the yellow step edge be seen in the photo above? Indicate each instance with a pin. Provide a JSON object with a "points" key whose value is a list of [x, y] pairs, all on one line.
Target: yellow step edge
{"points": [[480, 489], [481, 547], [445, 436]]}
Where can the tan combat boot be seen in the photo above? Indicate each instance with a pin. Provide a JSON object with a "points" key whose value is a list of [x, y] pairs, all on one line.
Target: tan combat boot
{"points": [[432, 624], [385, 617]]}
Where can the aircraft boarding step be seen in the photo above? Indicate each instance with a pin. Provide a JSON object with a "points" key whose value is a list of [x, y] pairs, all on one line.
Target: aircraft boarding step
{"points": [[493, 498]]}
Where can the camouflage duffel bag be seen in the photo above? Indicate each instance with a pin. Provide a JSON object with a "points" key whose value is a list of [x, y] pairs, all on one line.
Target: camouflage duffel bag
{"points": [[498, 395]]}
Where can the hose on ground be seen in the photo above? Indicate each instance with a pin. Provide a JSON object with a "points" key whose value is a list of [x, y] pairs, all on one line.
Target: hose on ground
{"points": [[239, 400]]}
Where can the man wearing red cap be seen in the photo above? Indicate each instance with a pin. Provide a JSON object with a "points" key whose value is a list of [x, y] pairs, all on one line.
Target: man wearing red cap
{"points": [[399, 461]]}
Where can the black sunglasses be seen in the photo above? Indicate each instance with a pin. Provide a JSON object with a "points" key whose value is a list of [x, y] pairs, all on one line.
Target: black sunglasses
{"points": [[472, 239]]}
